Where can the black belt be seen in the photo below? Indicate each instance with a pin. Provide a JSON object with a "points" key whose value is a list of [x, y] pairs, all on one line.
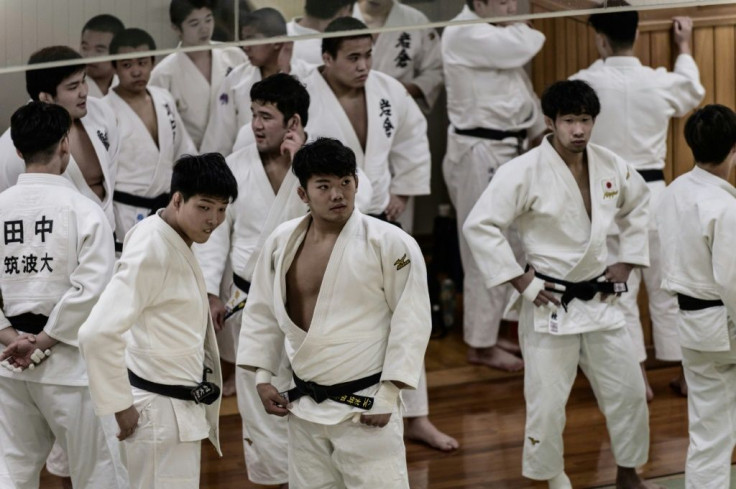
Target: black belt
{"points": [[205, 392], [241, 283], [151, 203], [688, 303], [652, 175], [29, 322], [584, 291], [492, 134], [344, 393]]}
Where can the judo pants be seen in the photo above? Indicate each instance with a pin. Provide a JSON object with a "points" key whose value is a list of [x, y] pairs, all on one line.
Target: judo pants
{"points": [[662, 305], [551, 363], [347, 455], [468, 167], [57, 462], [33, 415], [711, 405], [154, 455]]}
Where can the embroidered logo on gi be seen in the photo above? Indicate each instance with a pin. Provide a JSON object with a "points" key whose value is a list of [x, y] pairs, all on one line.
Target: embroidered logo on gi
{"points": [[250, 442], [224, 99], [404, 43], [402, 262], [388, 127], [610, 189], [534, 442], [105, 140], [229, 70], [172, 120]]}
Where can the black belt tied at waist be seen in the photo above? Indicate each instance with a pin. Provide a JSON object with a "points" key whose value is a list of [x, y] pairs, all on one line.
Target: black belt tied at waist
{"points": [[29, 322], [584, 291], [688, 303], [344, 393], [151, 203], [652, 175], [204, 393], [492, 134]]}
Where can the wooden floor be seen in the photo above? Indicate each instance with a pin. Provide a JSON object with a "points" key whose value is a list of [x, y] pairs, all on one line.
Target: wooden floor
{"points": [[485, 411]]}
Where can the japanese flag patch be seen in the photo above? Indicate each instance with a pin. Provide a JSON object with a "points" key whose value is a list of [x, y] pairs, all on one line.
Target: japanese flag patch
{"points": [[609, 187]]}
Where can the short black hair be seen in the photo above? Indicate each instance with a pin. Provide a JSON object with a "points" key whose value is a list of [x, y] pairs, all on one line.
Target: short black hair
{"points": [[47, 80], [331, 45], [267, 21], [570, 97], [179, 10], [325, 9], [104, 23], [287, 93], [132, 38], [325, 156], [711, 133], [471, 2], [37, 128], [205, 174], [618, 27]]}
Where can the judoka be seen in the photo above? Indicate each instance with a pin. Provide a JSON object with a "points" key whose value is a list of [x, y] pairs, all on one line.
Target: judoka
{"points": [[149, 342], [494, 115], [194, 78], [57, 250], [268, 198], [637, 104], [696, 218], [97, 35], [232, 110], [563, 197], [345, 295], [317, 16], [152, 135], [93, 137]]}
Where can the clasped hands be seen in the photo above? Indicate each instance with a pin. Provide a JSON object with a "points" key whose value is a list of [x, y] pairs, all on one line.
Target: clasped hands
{"points": [[23, 353]]}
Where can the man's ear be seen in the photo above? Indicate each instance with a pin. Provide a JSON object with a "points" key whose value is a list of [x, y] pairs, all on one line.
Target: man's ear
{"points": [[177, 199], [46, 98], [549, 123], [302, 194], [20, 155]]}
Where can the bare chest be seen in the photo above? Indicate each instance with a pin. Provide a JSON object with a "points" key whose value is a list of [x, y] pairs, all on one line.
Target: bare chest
{"points": [[86, 158], [355, 109], [304, 280]]}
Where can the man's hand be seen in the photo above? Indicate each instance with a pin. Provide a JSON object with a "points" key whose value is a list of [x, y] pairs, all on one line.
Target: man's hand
{"points": [[413, 90], [27, 351], [682, 30], [284, 59], [272, 401], [618, 272], [218, 311], [127, 422], [396, 206], [377, 420], [543, 298], [294, 138]]}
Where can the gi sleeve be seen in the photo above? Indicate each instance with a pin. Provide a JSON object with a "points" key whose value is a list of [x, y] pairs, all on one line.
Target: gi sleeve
{"points": [[724, 259], [364, 195], [261, 339], [183, 143], [633, 218], [494, 47], [95, 250], [213, 254], [500, 204], [407, 295], [222, 128], [428, 68], [137, 280], [684, 90], [409, 159]]}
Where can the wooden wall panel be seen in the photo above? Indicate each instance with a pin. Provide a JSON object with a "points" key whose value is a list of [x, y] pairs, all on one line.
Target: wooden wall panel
{"points": [[560, 39], [583, 47], [571, 53], [725, 75]]}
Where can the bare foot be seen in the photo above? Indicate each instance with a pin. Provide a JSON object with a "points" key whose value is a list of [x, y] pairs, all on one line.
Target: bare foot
{"points": [[66, 482], [495, 357], [627, 478], [422, 430], [228, 387], [509, 345], [649, 391], [679, 384]]}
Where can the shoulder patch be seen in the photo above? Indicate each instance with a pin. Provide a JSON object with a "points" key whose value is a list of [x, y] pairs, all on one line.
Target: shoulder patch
{"points": [[402, 262]]}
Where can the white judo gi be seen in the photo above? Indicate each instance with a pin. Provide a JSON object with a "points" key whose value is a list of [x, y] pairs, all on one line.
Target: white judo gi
{"points": [[194, 95], [637, 103], [58, 256], [94, 89], [396, 158], [144, 165], [307, 50], [237, 242], [232, 109], [372, 316], [697, 223], [538, 193], [487, 92], [154, 320], [102, 132]]}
